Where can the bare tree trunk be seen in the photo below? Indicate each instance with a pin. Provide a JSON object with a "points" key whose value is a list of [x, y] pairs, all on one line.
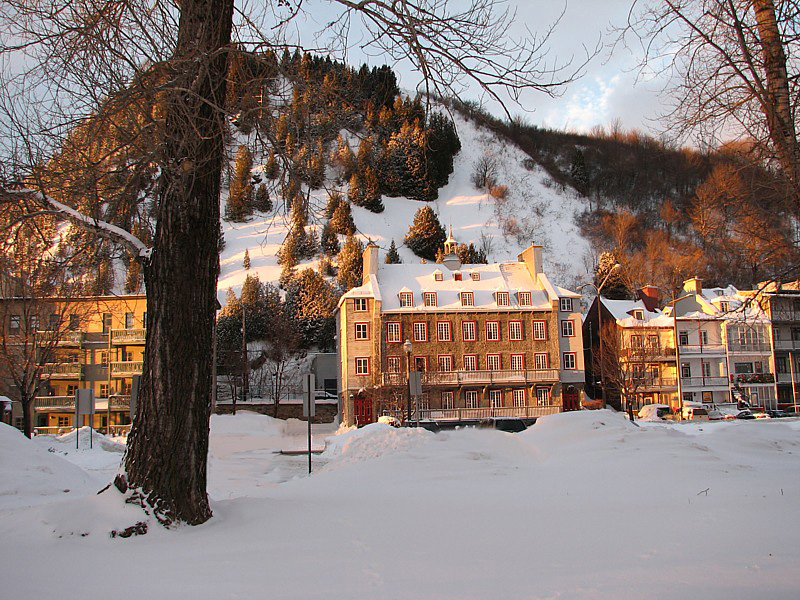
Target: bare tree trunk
{"points": [[777, 109], [27, 415], [168, 446]]}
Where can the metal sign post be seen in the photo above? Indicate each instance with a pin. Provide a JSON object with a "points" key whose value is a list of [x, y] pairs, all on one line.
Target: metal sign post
{"points": [[84, 405], [309, 408]]}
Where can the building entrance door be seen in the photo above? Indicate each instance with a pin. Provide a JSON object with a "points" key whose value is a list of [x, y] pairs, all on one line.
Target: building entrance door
{"points": [[363, 411], [572, 399]]}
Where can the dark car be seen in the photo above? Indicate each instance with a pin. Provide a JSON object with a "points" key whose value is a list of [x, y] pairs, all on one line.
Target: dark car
{"points": [[777, 414], [745, 414], [792, 411]]}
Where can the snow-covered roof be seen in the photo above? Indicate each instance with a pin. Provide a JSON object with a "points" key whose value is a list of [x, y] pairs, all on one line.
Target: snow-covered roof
{"points": [[511, 277], [623, 312]]}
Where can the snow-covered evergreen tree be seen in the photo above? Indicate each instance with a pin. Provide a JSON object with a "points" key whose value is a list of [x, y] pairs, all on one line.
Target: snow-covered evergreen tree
{"points": [[426, 235], [350, 263], [240, 193], [342, 220], [392, 256], [328, 241], [262, 202]]}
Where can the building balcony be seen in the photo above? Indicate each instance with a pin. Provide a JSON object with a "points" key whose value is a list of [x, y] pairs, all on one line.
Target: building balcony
{"points": [[750, 378], [53, 403], [785, 315], [61, 338], [702, 349], [749, 348], [121, 337], [787, 344], [787, 377], [653, 383], [704, 382], [480, 414], [648, 353], [126, 367], [62, 370], [451, 378]]}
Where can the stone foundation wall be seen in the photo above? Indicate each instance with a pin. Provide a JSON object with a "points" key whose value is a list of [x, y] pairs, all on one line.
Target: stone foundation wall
{"points": [[326, 413]]}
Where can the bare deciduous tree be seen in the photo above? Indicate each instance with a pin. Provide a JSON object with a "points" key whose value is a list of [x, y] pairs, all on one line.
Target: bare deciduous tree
{"points": [[87, 63]]}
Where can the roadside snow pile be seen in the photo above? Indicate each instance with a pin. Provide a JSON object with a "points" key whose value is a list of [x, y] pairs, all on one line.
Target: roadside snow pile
{"points": [[373, 441], [86, 438], [572, 430], [31, 475], [247, 422]]}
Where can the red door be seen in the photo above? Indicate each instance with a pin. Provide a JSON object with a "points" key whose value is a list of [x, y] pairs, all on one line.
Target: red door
{"points": [[572, 400], [363, 411]]}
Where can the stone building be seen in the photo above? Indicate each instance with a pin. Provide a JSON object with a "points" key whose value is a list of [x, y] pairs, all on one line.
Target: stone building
{"points": [[490, 340]]}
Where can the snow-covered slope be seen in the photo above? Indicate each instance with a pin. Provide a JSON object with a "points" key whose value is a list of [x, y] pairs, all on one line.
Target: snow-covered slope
{"points": [[535, 211]]}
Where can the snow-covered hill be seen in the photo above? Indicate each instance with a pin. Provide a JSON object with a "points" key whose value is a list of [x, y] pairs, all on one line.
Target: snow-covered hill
{"points": [[535, 211]]}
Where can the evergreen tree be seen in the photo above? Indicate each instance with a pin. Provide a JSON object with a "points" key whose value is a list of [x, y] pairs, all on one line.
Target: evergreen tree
{"points": [[342, 220], [271, 167], [350, 263], [246, 260], [240, 192], [577, 168], [311, 302], [426, 235], [232, 305], [334, 198], [611, 279], [262, 203], [328, 241], [372, 194], [392, 256], [355, 190]]}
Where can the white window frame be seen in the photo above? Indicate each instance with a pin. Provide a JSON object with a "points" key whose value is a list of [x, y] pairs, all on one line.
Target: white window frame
{"points": [[517, 362], [502, 299], [470, 362], [565, 304], [430, 299], [570, 361], [490, 360], [475, 276], [362, 365], [361, 331], [524, 298], [540, 330], [406, 299], [469, 325], [515, 331], [541, 361], [542, 396], [394, 332], [492, 331], [448, 401], [420, 331], [394, 364], [359, 305], [519, 397], [567, 328], [445, 362], [471, 398], [444, 331], [496, 398], [467, 299]]}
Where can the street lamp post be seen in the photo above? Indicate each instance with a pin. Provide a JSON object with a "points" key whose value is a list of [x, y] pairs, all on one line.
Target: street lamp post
{"points": [[407, 346]]}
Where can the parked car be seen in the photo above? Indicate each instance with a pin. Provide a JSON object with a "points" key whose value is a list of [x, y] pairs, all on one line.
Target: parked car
{"points": [[792, 411], [693, 413], [651, 412], [777, 414], [745, 414]]}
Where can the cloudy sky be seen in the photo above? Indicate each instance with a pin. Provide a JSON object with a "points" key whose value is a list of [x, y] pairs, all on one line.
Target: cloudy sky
{"points": [[608, 89]]}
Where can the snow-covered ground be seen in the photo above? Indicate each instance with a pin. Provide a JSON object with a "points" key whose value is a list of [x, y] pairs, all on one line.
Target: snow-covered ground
{"points": [[536, 211], [582, 505]]}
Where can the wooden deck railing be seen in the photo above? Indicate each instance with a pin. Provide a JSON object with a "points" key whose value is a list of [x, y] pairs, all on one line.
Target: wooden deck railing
{"points": [[479, 414], [127, 367], [128, 336]]}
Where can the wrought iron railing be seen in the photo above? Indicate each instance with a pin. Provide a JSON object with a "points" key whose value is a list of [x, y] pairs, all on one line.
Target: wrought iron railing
{"points": [[520, 377]]}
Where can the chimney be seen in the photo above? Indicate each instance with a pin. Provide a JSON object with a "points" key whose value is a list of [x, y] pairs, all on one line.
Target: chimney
{"points": [[370, 258], [649, 295], [693, 285], [532, 257]]}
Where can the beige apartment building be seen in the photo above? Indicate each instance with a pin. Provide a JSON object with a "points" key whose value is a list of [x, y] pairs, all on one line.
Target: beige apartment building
{"points": [[92, 343], [490, 341]]}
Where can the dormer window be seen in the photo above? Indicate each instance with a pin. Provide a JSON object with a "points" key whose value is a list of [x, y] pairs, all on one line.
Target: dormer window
{"points": [[565, 304], [524, 298], [457, 276], [475, 276], [406, 299], [638, 315], [467, 299], [429, 299], [437, 276], [360, 304], [724, 306], [502, 299]]}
